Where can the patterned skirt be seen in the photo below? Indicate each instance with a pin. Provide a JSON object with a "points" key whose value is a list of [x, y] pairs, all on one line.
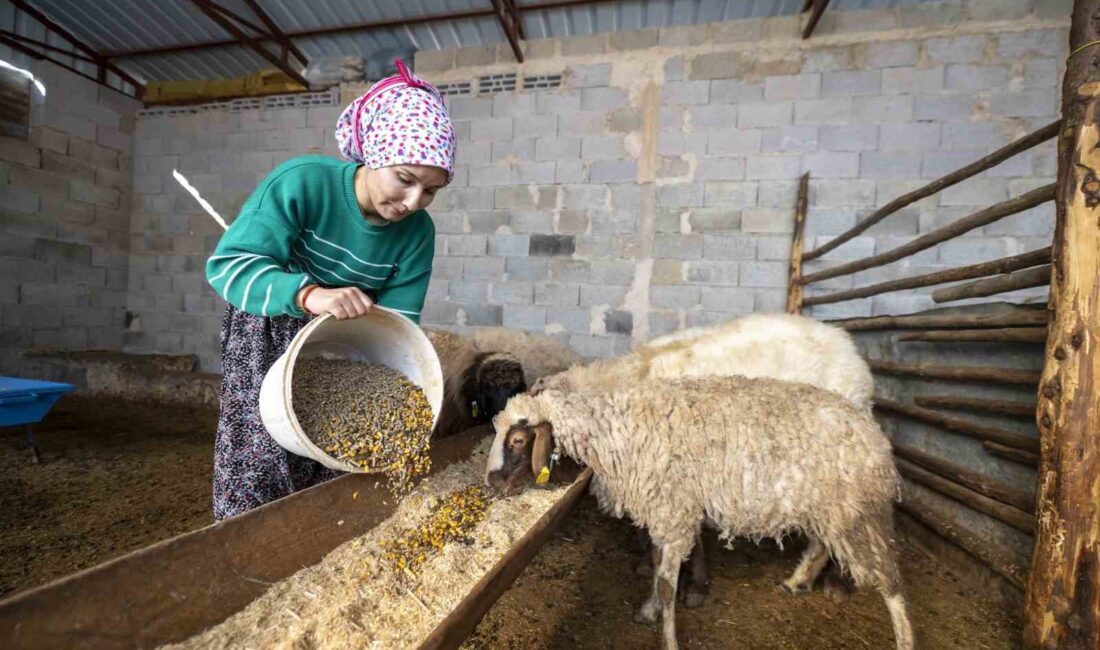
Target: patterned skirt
{"points": [[250, 468]]}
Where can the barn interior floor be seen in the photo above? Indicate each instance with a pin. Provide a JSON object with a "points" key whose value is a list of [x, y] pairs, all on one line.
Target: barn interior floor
{"points": [[117, 476]]}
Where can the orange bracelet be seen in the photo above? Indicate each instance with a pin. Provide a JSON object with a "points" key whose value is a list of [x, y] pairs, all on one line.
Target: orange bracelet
{"points": [[305, 294]]}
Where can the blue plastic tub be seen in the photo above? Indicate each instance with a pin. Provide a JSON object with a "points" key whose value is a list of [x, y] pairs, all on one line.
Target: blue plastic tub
{"points": [[26, 401]]}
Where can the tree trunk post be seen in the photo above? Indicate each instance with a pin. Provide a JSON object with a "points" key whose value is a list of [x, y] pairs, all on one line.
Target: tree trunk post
{"points": [[1063, 588], [794, 275]]}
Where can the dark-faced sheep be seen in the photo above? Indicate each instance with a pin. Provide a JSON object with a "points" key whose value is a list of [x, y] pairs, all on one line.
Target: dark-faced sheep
{"points": [[476, 384], [752, 457]]}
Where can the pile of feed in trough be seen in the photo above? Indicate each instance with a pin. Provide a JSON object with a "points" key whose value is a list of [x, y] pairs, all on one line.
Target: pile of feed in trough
{"points": [[452, 521], [354, 598], [365, 414]]}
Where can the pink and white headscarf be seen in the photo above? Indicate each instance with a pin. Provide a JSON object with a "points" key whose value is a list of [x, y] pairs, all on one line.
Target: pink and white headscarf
{"points": [[401, 120]]}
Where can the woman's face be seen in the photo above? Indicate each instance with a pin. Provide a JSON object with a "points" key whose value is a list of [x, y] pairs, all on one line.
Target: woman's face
{"points": [[395, 192]]}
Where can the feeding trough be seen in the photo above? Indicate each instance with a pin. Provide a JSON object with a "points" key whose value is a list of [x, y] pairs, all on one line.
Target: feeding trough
{"points": [[26, 402]]}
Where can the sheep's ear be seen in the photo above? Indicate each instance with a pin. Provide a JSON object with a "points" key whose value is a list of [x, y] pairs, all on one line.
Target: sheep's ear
{"points": [[540, 454], [537, 387]]}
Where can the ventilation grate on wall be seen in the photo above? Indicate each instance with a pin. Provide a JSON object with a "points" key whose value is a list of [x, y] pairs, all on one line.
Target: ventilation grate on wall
{"points": [[541, 82], [329, 97], [496, 83], [455, 88], [15, 105]]}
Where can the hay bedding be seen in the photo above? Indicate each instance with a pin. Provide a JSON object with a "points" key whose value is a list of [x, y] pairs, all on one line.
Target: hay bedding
{"points": [[354, 598]]}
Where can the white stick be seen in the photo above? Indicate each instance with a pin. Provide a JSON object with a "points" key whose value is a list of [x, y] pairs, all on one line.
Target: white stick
{"points": [[203, 202]]}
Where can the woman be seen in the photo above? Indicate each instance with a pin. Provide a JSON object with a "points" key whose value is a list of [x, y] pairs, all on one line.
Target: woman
{"points": [[320, 236]]}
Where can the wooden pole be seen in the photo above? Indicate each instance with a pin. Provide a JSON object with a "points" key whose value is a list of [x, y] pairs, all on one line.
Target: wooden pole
{"points": [[950, 231], [957, 176], [956, 373], [794, 274], [1018, 455], [999, 559], [1015, 318], [959, 425], [1025, 279], [1003, 335], [815, 16], [1003, 265], [1063, 591], [992, 406], [1012, 516], [969, 478]]}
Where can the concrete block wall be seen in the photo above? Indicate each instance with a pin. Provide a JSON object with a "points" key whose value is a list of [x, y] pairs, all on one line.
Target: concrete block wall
{"points": [[224, 155], [655, 189], [65, 197]]}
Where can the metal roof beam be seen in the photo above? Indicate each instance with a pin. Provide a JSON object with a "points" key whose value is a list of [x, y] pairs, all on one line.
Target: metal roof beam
{"points": [[100, 59], [46, 46], [359, 27], [212, 11], [511, 23], [817, 8], [276, 32]]}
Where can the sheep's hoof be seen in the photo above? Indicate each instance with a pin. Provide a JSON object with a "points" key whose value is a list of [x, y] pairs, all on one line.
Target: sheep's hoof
{"points": [[646, 615], [796, 588], [693, 599], [838, 588]]}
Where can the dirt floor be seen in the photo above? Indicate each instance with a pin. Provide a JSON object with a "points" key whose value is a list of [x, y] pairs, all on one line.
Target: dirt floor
{"points": [[581, 592], [118, 476], [115, 476]]}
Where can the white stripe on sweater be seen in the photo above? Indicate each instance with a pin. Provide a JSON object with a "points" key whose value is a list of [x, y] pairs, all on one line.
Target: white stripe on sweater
{"points": [[314, 266], [267, 300], [332, 259], [353, 256], [228, 267], [233, 277], [248, 287]]}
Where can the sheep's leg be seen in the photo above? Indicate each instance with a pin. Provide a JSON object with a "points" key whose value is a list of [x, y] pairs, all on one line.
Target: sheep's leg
{"points": [[644, 544], [867, 552], [838, 584], [698, 580], [647, 613], [665, 587], [814, 559]]}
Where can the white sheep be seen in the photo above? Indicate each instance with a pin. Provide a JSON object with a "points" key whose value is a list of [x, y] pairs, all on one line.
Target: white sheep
{"points": [[779, 346], [752, 457]]}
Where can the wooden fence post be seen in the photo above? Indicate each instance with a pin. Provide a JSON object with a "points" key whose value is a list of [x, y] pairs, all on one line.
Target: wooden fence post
{"points": [[1063, 587], [794, 275]]}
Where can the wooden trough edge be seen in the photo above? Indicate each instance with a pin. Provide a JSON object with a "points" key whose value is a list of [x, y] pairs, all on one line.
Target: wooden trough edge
{"points": [[179, 587], [460, 623]]}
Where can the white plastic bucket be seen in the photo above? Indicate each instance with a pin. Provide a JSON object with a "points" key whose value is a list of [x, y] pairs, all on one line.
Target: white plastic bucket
{"points": [[381, 336]]}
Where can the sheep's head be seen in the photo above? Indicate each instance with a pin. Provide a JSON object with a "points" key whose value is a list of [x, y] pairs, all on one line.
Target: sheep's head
{"points": [[497, 377], [523, 445]]}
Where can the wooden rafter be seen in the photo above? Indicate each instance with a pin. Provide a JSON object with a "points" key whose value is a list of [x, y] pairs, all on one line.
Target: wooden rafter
{"points": [[218, 14], [510, 21], [98, 58], [817, 9]]}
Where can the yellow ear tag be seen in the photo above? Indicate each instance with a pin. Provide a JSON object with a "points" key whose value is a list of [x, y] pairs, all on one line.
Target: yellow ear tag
{"points": [[543, 477]]}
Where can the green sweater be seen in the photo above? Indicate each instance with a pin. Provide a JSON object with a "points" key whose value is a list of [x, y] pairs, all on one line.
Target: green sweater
{"points": [[303, 226]]}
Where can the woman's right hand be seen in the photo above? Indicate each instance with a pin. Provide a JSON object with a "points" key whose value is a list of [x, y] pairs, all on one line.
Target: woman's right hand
{"points": [[342, 303]]}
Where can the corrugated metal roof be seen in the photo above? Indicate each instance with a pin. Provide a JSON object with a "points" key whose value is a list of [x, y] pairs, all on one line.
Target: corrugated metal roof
{"points": [[126, 25]]}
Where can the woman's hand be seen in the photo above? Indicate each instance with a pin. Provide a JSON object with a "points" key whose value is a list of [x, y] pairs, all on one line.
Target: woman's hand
{"points": [[343, 303]]}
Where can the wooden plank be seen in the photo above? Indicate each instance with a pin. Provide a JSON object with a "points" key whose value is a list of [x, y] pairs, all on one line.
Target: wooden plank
{"points": [[1016, 318], [1024, 279], [959, 425], [997, 157], [997, 558], [996, 407], [1063, 591], [177, 588], [981, 218], [977, 502], [981, 270], [989, 374], [1028, 458], [462, 620], [794, 272], [1002, 335], [992, 488]]}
